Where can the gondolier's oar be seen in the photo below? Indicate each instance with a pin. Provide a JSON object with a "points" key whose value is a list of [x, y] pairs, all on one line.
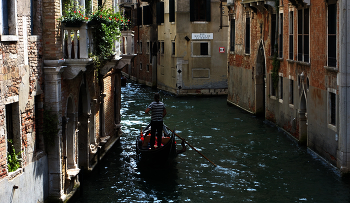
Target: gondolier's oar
{"points": [[191, 146]]}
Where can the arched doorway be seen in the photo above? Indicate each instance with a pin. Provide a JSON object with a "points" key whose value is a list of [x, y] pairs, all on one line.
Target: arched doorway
{"points": [[83, 128], [303, 120], [70, 135], [260, 82]]}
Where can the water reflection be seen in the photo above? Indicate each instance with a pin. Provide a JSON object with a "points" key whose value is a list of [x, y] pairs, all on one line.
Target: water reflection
{"points": [[256, 162]]}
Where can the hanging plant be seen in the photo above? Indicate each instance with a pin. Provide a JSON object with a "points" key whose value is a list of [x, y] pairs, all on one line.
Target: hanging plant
{"points": [[107, 26]]}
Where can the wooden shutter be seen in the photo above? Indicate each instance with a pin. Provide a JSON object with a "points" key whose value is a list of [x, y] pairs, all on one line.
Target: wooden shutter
{"points": [[160, 13], [139, 16], [147, 16], [5, 20], [171, 10]]}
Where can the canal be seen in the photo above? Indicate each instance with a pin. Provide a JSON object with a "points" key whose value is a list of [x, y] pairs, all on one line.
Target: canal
{"points": [[256, 162]]}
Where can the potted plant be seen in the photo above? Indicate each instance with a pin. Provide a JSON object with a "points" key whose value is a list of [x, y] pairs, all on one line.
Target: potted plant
{"points": [[73, 15]]}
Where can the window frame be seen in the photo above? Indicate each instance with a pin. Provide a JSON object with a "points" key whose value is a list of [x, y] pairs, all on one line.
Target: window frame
{"points": [[303, 36], [332, 106], [199, 55], [247, 36], [12, 35], [332, 53], [205, 9], [280, 35], [232, 34], [291, 35]]}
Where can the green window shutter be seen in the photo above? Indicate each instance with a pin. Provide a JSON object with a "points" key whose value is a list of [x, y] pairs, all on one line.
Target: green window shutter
{"points": [[171, 10]]}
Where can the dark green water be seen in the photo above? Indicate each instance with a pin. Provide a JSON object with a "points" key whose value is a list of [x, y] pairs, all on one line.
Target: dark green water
{"points": [[255, 161]]}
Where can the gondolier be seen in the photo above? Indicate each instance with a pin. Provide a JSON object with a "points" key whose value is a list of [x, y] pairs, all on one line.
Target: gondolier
{"points": [[158, 112]]}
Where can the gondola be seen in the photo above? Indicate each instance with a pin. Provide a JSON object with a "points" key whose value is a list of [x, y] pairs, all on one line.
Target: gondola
{"points": [[164, 153]]}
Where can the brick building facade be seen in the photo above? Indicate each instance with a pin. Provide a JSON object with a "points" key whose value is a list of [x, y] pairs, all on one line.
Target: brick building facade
{"points": [[60, 112], [284, 64]]}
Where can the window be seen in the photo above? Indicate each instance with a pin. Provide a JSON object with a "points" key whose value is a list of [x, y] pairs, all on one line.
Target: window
{"points": [[332, 31], [291, 91], [9, 20], [147, 15], [232, 34], [139, 16], [200, 49], [303, 35], [200, 10], [140, 47], [160, 13], [171, 10], [291, 32], [13, 128], [332, 106], [147, 48], [140, 66], [273, 33], [173, 48], [147, 67], [247, 33], [272, 87], [280, 87], [280, 37], [161, 48]]}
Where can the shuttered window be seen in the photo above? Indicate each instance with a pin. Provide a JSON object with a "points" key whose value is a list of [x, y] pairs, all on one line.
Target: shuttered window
{"points": [[232, 35], [280, 44], [273, 33], [303, 35], [332, 39], [160, 13], [147, 15], [247, 34], [139, 16], [171, 10], [291, 35], [200, 10]]}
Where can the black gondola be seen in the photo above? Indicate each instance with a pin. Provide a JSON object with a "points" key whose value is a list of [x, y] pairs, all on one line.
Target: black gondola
{"points": [[162, 154]]}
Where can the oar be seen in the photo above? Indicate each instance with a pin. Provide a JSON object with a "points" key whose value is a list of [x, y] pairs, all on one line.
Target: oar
{"points": [[191, 146]]}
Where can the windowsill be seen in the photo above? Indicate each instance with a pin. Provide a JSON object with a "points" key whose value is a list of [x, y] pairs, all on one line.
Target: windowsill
{"points": [[291, 106], [332, 127], [9, 38], [232, 52], [280, 101], [173, 23], [34, 38], [280, 59], [200, 22], [303, 63], [332, 69], [199, 56], [290, 61], [247, 54], [273, 97], [15, 173]]}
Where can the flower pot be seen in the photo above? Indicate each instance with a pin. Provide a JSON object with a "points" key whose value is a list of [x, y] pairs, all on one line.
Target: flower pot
{"points": [[73, 24]]}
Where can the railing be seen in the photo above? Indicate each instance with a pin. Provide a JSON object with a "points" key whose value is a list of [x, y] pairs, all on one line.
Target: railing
{"points": [[77, 42]]}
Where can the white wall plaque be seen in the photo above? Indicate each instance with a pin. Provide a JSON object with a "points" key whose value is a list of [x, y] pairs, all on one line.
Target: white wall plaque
{"points": [[202, 35]]}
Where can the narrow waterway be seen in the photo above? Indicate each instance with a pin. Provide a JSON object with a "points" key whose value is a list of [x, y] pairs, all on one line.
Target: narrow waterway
{"points": [[255, 161]]}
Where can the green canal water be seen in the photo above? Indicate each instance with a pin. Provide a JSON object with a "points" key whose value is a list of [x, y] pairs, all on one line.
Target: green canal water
{"points": [[255, 161]]}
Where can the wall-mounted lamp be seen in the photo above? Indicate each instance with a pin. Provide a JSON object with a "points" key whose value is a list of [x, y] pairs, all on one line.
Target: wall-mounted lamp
{"points": [[186, 38], [15, 187]]}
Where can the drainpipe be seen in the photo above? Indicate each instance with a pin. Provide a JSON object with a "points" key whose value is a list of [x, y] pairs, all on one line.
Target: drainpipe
{"points": [[344, 86]]}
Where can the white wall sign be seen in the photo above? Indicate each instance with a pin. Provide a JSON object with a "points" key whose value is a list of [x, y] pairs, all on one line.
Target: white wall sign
{"points": [[202, 35]]}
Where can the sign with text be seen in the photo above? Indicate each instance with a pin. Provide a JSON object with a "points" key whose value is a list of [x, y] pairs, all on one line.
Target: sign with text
{"points": [[202, 35]]}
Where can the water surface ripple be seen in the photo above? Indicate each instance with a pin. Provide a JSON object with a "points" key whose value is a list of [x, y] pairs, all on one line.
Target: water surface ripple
{"points": [[255, 162]]}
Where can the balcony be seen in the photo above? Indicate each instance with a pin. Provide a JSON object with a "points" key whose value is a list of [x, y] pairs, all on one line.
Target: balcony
{"points": [[127, 2], [259, 5]]}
